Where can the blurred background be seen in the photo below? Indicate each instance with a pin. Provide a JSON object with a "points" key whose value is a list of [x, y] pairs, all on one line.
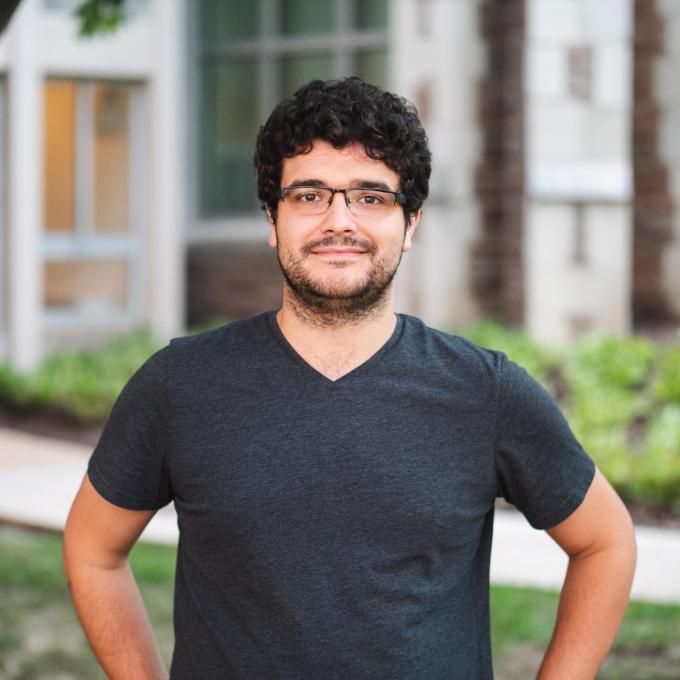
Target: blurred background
{"points": [[128, 215], [127, 193]]}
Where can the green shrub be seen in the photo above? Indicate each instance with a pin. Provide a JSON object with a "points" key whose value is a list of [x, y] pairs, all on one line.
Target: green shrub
{"points": [[609, 447], [657, 472], [81, 384], [667, 381], [598, 404], [619, 362], [537, 360]]}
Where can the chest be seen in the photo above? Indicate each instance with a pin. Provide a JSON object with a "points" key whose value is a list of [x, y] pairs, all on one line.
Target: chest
{"points": [[386, 464]]}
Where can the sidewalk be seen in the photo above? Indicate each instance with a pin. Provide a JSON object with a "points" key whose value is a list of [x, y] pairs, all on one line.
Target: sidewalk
{"points": [[39, 478]]}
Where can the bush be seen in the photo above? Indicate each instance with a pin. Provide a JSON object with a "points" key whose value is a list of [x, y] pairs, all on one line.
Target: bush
{"points": [[80, 384], [537, 360], [618, 362], [657, 472], [666, 385]]}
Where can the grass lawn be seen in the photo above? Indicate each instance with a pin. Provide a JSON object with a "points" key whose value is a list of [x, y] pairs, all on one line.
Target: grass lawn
{"points": [[40, 637]]}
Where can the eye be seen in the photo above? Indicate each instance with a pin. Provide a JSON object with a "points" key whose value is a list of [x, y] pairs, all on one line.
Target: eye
{"points": [[306, 195], [371, 198]]}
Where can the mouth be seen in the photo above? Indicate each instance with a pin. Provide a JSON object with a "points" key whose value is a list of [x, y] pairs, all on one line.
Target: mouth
{"points": [[338, 253]]}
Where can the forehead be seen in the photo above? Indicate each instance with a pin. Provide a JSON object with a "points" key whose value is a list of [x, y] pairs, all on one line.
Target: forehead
{"points": [[336, 167]]}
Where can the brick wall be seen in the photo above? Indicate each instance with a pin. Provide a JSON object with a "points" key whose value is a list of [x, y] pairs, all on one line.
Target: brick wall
{"points": [[653, 209], [231, 280], [497, 273]]}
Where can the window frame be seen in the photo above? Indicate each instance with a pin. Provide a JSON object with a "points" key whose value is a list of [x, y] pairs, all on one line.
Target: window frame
{"points": [[4, 236], [84, 242], [267, 47]]}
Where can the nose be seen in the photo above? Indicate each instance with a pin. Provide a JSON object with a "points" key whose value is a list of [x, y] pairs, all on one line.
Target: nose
{"points": [[338, 216]]}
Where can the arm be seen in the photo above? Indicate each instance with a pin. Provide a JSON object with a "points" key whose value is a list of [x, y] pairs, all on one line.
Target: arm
{"points": [[600, 541], [97, 540]]}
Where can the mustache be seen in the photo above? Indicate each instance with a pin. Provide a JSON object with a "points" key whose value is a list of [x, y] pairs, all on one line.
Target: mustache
{"points": [[333, 242]]}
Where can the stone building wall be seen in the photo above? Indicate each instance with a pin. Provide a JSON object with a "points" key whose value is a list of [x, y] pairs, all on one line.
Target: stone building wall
{"points": [[231, 280], [578, 99], [653, 212], [667, 88], [497, 267], [436, 60]]}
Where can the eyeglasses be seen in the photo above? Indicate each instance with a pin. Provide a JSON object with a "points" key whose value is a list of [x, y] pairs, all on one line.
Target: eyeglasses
{"points": [[378, 203]]}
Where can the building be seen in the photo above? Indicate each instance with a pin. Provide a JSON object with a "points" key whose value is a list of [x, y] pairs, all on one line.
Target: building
{"points": [[127, 193]]}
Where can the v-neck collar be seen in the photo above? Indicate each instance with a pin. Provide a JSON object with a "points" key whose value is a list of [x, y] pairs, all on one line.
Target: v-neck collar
{"points": [[317, 375]]}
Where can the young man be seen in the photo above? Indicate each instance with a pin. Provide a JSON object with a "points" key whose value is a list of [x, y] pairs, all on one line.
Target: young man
{"points": [[334, 466]]}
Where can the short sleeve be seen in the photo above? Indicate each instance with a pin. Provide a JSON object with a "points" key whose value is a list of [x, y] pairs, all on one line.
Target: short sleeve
{"points": [[541, 467], [128, 466]]}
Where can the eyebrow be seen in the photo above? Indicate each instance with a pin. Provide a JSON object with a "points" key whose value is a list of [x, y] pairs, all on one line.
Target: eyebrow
{"points": [[353, 184]]}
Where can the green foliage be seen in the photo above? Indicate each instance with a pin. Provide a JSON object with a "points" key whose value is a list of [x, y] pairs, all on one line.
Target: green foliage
{"points": [[622, 399], [624, 405], [153, 563], [611, 450], [657, 471], [537, 360], [31, 560], [617, 362], [80, 384], [521, 615], [523, 619], [667, 382], [97, 17], [39, 633]]}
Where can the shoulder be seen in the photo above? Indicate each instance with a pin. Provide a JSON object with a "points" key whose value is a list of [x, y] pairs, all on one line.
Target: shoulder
{"points": [[444, 349], [240, 335]]}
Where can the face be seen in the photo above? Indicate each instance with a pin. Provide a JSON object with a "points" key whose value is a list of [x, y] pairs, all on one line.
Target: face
{"points": [[337, 264]]}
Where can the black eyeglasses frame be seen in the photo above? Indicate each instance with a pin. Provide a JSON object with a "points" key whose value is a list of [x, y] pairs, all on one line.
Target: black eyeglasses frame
{"points": [[399, 198]]}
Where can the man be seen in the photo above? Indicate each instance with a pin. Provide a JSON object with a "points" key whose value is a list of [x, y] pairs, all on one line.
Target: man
{"points": [[334, 466]]}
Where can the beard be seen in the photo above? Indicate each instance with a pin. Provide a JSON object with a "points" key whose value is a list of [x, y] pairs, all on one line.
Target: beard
{"points": [[333, 302]]}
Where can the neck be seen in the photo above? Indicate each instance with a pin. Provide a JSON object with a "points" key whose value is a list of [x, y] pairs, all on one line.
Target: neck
{"points": [[335, 346]]}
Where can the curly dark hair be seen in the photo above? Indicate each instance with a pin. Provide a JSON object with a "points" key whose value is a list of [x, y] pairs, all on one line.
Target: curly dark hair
{"points": [[341, 112]]}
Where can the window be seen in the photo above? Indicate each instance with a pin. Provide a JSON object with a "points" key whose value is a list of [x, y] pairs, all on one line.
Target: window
{"points": [[92, 200], [3, 234], [251, 54]]}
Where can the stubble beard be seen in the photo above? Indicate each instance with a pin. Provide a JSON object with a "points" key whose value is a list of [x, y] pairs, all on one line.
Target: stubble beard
{"points": [[329, 304]]}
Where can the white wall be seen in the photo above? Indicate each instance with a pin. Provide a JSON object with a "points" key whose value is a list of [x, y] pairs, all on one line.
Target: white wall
{"points": [[578, 117], [668, 93], [574, 257], [436, 55]]}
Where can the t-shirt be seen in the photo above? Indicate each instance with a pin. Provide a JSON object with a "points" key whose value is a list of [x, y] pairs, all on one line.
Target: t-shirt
{"points": [[335, 529]]}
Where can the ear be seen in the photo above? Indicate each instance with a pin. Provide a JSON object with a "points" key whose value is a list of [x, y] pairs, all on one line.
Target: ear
{"points": [[272, 228], [413, 220]]}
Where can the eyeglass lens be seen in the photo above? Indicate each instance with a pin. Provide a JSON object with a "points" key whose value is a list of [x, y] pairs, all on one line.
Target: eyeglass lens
{"points": [[316, 200]]}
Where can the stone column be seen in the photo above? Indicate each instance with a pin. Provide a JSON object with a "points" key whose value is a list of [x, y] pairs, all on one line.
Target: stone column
{"points": [[436, 60], [24, 189], [169, 167]]}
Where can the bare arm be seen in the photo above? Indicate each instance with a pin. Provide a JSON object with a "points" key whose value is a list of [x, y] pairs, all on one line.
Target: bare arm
{"points": [[600, 541], [97, 540]]}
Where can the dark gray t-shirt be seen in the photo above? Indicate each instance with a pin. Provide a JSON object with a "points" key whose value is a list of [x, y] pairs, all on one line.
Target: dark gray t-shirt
{"points": [[335, 529]]}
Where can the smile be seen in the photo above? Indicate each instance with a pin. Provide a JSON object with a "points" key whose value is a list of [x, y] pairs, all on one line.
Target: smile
{"points": [[335, 253]]}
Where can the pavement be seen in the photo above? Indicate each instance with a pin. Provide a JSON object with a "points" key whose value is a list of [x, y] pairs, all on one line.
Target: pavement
{"points": [[40, 476]]}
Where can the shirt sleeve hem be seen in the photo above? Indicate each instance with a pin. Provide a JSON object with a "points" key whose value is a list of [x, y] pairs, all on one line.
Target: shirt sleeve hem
{"points": [[567, 507], [116, 497]]}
